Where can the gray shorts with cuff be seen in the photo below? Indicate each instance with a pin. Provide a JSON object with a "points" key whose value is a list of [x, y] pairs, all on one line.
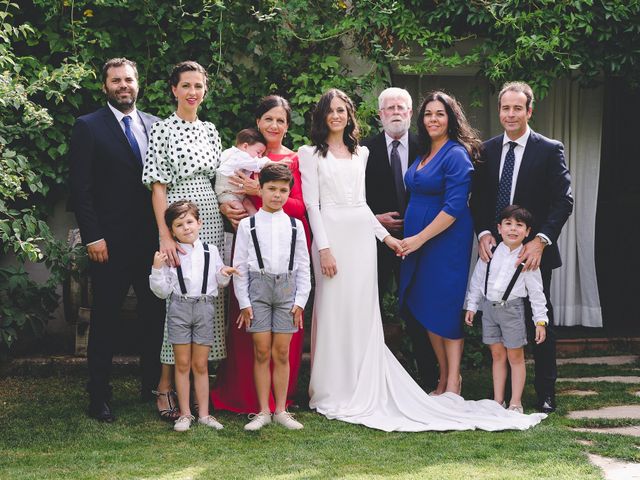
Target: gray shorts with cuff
{"points": [[190, 319], [272, 296], [504, 322]]}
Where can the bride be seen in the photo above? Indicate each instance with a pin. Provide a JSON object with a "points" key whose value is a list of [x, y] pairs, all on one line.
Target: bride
{"points": [[354, 376]]}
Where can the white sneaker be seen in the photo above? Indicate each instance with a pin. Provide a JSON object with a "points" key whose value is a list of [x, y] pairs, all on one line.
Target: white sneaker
{"points": [[516, 408], [210, 421], [287, 421], [258, 420], [183, 423]]}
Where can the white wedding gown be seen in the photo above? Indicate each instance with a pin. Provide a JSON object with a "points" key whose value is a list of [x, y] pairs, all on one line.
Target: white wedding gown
{"points": [[354, 376]]}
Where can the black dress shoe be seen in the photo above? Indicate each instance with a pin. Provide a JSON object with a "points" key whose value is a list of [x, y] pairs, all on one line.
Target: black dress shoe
{"points": [[101, 411], [547, 405]]}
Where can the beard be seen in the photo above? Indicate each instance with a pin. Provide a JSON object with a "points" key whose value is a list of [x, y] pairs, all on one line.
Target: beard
{"points": [[396, 129], [123, 105]]}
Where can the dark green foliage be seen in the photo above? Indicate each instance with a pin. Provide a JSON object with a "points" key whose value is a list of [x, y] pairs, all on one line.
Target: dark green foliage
{"points": [[51, 53]]}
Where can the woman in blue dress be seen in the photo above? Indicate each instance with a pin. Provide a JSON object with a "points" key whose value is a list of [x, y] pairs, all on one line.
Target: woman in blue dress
{"points": [[438, 231]]}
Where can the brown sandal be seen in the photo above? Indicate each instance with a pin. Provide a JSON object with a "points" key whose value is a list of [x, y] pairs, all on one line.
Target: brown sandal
{"points": [[172, 413]]}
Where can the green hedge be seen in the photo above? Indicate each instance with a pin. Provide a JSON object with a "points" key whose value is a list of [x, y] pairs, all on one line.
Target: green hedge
{"points": [[50, 51]]}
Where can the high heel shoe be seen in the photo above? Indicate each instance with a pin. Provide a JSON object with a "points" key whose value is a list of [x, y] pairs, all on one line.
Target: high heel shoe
{"points": [[170, 414]]}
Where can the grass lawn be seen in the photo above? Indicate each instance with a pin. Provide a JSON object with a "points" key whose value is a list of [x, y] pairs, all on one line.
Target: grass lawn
{"points": [[45, 434]]}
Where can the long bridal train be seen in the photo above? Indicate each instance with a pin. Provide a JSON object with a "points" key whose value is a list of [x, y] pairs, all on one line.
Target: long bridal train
{"points": [[354, 376]]}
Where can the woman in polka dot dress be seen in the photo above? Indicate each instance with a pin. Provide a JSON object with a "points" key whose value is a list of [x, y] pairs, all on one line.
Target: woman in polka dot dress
{"points": [[181, 161]]}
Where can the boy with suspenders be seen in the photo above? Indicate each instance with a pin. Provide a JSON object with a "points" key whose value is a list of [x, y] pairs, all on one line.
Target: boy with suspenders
{"points": [[272, 288], [191, 289], [499, 288]]}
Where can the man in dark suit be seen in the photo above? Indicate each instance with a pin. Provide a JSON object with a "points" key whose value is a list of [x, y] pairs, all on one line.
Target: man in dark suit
{"points": [[524, 168], [114, 212], [391, 153]]}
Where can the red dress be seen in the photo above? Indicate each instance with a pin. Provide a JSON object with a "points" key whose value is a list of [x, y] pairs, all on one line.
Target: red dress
{"points": [[234, 388]]}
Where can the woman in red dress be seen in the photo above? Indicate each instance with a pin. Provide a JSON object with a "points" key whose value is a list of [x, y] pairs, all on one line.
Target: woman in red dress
{"points": [[234, 388]]}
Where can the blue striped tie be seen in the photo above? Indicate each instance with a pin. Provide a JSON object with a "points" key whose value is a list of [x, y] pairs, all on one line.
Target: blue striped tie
{"points": [[504, 186], [132, 138]]}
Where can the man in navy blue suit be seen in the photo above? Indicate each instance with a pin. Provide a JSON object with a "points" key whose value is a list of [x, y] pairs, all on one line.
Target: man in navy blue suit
{"points": [[524, 168], [117, 225], [391, 152]]}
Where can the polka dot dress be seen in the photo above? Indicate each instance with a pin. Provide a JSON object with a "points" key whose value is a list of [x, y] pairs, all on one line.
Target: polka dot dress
{"points": [[184, 156]]}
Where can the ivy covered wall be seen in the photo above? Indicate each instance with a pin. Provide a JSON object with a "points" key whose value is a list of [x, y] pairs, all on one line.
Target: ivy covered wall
{"points": [[51, 51]]}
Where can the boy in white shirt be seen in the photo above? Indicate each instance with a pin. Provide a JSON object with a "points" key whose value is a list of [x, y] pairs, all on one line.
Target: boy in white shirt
{"points": [[191, 289], [501, 287], [272, 288], [246, 156]]}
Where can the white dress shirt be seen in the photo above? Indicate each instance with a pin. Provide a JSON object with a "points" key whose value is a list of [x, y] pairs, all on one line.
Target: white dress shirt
{"points": [[164, 281], [403, 150], [503, 266], [137, 127], [274, 236]]}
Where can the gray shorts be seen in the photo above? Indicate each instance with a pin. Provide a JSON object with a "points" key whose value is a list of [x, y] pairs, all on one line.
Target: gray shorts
{"points": [[504, 323], [272, 298], [190, 319]]}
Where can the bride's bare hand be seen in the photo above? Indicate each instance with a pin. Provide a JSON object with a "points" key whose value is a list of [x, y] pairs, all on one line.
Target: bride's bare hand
{"points": [[394, 244], [328, 263]]}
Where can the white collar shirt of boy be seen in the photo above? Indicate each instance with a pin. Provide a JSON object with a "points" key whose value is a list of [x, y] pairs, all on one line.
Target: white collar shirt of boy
{"points": [[274, 236], [503, 266], [164, 281]]}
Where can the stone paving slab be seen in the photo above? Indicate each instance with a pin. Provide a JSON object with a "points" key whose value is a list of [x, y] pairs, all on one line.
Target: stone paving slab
{"points": [[630, 431], [606, 360], [579, 393], [621, 411], [613, 379], [71, 360], [616, 469]]}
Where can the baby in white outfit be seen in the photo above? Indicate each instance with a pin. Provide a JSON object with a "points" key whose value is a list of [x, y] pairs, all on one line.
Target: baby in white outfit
{"points": [[245, 156]]}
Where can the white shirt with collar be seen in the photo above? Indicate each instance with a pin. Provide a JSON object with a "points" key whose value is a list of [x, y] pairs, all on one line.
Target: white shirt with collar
{"points": [[164, 281], [274, 236], [403, 150], [503, 266], [137, 127]]}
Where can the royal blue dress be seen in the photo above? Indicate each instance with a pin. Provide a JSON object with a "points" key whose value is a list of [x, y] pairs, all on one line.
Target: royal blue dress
{"points": [[433, 280]]}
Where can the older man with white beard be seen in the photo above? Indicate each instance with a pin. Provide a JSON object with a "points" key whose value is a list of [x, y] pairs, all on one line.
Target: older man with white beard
{"points": [[391, 153]]}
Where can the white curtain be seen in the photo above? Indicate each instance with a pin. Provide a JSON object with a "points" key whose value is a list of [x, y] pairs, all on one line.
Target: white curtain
{"points": [[573, 115]]}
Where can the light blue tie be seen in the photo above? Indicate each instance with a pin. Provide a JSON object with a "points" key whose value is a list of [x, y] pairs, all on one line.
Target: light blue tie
{"points": [[132, 138], [504, 186]]}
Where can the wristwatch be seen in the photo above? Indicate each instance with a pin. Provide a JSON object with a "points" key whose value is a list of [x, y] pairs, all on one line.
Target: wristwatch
{"points": [[541, 323]]}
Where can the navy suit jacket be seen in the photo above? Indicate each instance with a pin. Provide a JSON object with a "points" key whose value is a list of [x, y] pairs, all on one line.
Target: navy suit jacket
{"points": [[107, 193], [543, 187], [380, 189]]}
